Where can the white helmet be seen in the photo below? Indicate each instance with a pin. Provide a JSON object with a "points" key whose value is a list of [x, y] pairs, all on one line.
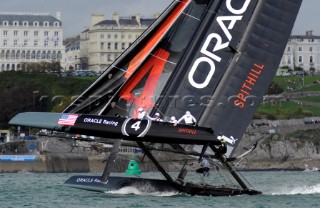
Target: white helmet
{"points": [[140, 109], [173, 118], [188, 113], [157, 114]]}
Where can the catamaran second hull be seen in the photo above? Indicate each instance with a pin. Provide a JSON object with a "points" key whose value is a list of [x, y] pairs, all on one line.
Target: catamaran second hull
{"points": [[152, 186]]}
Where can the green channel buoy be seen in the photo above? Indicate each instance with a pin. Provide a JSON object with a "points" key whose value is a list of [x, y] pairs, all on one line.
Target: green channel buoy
{"points": [[133, 167]]}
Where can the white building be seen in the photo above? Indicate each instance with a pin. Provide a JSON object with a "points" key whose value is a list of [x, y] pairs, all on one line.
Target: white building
{"points": [[105, 40], [71, 58], [302, 51], [29, 38]]}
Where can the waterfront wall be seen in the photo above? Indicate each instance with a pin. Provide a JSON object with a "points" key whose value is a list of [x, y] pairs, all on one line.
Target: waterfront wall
{"points": [[74, 163]]}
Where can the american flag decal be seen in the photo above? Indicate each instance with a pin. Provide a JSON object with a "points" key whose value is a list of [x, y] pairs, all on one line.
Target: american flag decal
{"points": [[68, 119]]}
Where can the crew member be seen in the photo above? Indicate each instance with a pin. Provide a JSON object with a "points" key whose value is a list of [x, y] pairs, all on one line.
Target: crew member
{"points": [[188, 119], [141, 114], [204, 167], [156, 117], [173, 120]]}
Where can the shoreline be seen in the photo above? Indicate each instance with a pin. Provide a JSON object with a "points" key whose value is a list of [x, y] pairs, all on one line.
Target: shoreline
{"points": [[71, 163]]}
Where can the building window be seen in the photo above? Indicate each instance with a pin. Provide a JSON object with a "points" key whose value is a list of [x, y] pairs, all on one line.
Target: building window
{"points": [[289, 49], [38, 55], [35, 43], [109, 57], [109, 36], [116, 46], [56, 33], [13, 54], [109, 46], [123, 46], [56, 43], [36, 24], [115, 36], [8, 54], [300, 48], [25, 23], [33, 55], [300, 59], [25, 42], [5, 23], [46, 43], [310, 48], [25, 33], [18, 55], [16, 23], [5, 33], [311, 59], [56, 24], [15, 42], [46, 24], [15, 33], [123, 36], [46, 33], [28, 55], [289, 60], [36, 33], [101, 46], [101, 35], [5, 42], [129, 36]]}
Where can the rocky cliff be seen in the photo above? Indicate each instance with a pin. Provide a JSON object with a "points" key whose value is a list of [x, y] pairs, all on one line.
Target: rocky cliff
{"points": [[291, 144]]}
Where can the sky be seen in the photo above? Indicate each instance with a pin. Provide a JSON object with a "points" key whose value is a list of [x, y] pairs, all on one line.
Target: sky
{"points": [[76, 14]]}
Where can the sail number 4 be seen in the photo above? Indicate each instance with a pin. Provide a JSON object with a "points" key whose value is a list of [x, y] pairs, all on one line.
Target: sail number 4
{"points": [[136, 125], [135, 128]]}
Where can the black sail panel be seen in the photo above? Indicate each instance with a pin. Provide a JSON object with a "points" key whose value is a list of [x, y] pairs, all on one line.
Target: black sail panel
{"points": [[258, 56]]}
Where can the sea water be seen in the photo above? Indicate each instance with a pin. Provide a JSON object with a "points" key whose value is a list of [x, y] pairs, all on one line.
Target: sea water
{"points": [[280, 189]]}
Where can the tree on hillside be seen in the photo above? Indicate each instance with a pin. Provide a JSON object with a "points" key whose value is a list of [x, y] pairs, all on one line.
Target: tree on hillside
{"points": [[15, 99], [312, 70], [274, 88]]}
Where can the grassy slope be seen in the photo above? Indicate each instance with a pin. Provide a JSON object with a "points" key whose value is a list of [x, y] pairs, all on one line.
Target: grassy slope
{"points": [[287, 109]]}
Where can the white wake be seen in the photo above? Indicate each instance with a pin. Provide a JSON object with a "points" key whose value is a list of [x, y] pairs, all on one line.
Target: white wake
{"points": [[311, 189], [144, 192]]}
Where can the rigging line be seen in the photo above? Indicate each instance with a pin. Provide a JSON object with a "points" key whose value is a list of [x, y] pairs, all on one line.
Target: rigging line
{"points": [[164, 59], [125, 71], [159, 112], [120, 108], [218, 170], [190, 16], [243, 178]]}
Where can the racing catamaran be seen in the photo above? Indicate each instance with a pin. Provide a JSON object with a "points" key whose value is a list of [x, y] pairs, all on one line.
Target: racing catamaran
{"points": [[214, 58]]}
